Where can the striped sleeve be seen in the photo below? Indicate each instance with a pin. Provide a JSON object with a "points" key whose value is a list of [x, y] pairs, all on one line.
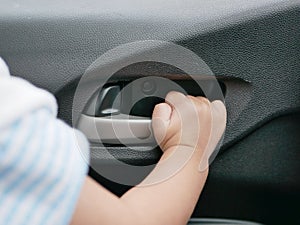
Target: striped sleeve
{"points": [[43, 163]]}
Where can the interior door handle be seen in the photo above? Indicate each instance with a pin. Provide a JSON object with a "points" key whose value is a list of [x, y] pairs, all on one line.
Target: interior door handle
{"points": [[120, 128], [104, 122], [121, 112]]}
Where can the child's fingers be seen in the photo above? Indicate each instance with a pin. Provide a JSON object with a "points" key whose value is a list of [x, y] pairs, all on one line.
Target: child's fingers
{"points": [[218, 126], [203, 100], [206, 121], [219, 114], [160, 121], [175, 99], [163, 111], [190, 121], [188, 115]]}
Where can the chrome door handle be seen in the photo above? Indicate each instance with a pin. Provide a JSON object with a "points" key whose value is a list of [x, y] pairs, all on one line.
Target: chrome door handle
{"points": [[120, 128]]}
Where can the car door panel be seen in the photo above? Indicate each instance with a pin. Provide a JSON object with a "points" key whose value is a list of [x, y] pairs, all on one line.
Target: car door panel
{"points": [[253, 49]]}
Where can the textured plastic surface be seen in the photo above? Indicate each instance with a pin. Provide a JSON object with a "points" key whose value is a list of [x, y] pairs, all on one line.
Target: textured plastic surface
{"points": [[258, 42], [258, 178]]}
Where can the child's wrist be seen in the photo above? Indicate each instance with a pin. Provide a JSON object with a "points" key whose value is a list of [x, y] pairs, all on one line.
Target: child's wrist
{"points": [[189, 150], [186, 155]]}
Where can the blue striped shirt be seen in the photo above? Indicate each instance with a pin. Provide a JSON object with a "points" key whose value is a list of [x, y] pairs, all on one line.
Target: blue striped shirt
{"points": [[43, 161]]}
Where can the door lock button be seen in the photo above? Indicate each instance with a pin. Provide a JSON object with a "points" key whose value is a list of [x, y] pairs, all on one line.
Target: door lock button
{"points": [[148, 87]]}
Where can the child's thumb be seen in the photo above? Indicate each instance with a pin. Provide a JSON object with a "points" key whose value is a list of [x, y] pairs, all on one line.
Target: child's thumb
{"points": [[160, 121]]}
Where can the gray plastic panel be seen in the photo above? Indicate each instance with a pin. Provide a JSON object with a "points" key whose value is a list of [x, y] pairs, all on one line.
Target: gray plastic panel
{"points": [[257, 179], [257, 41], [53, 42]]}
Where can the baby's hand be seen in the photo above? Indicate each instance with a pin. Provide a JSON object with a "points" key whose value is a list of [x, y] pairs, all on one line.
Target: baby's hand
{"points": [[189, 121]]}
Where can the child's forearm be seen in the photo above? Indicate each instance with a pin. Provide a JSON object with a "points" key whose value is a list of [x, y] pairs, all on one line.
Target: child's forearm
{"points": [[169, 202], [173, 200]]}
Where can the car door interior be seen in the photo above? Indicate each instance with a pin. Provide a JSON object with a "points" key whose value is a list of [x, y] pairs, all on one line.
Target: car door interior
{"points": [[253, 48]]}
